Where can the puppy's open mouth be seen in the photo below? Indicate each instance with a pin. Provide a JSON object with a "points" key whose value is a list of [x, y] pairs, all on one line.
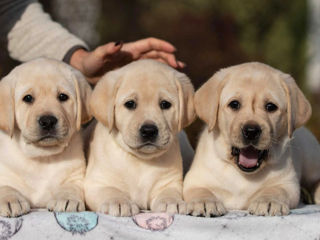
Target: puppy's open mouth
{"points": [[249, 159]]}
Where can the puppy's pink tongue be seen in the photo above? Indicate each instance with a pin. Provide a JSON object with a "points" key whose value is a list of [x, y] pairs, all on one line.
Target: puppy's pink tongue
{"points": [[248, 157]]}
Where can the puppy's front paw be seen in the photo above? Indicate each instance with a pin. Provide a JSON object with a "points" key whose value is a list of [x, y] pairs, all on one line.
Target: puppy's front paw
{"points": [[119, 208], [268, 207], [66, 205], [170, 206], [206, 208], [13, 206]]}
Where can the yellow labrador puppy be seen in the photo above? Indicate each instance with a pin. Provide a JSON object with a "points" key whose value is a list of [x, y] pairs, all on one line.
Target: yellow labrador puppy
{"points": [[134, 158], [42, 106], [250, 156]]}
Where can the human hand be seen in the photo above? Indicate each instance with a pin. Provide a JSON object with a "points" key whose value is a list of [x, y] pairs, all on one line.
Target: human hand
{"points": [[113, 55]]}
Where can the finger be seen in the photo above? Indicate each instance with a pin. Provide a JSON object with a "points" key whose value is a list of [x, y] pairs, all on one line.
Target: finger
{"points": [[93, 80], [167, 57], [181, 64], [158, 59], [93, 64], [108, 49], [148, 44]]}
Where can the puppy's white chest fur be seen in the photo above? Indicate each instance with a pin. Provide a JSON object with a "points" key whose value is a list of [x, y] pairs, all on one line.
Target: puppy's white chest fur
{"points": [[141, 186], [234, 191], [139, 180], [37, 179]]}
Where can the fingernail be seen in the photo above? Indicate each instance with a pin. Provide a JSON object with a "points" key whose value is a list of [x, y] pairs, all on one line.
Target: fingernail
{"points": [[117, 43], [182, 64]]}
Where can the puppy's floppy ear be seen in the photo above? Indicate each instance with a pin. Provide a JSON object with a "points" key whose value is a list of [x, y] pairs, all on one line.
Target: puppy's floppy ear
{"points": [[206, 99], [102, 103], [186, 107], [7, 106], [83, 93], [298, 107]]}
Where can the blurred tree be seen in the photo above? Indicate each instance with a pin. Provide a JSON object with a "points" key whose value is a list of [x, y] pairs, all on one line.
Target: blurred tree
{"points": [[212, 34], [313, 69], [313, 62]]}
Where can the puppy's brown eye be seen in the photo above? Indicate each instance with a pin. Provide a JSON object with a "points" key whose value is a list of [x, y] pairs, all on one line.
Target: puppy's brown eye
{"points": [[63, 97], [234, 105], [271, 107], [130, 105], [28, 98], [165, 104]]}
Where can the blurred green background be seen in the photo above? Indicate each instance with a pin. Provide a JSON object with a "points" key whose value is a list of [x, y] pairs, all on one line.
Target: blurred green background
{"points": [[211, 34]]}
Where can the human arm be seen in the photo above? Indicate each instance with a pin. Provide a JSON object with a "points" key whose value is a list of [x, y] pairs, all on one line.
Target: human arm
{"points": [[34, 34]]}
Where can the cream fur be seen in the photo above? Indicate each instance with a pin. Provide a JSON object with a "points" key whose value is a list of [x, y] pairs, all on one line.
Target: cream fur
{"points": [[214, 183], [123, 177], [37, 173]]}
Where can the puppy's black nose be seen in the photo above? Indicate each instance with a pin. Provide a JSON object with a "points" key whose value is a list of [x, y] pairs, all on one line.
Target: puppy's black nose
{"points": [[251, 132], [149, 132], [47, 122]]}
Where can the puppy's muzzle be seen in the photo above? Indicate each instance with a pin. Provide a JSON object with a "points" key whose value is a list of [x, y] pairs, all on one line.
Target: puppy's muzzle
{"points": [[249, 158], [251, 133], [149, 132], [47, 123]]}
